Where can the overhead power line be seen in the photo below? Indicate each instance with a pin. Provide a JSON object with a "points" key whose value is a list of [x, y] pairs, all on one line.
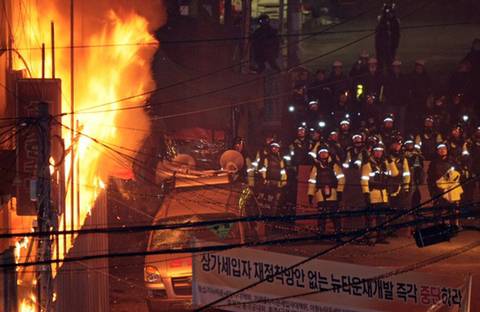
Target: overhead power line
{"points": [[218, 70], [343, 243], [233, 86], [208, 223], [409, 268], [235, 38], [214, 248]]}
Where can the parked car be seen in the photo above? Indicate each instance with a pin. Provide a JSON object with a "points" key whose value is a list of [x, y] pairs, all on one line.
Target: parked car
{"points": [[168, 277]]}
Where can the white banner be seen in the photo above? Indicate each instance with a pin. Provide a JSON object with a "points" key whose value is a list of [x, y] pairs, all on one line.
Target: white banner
{"points": [[218, 274]]}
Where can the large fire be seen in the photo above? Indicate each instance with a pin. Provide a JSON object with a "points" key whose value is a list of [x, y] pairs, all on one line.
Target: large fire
{"points": [[112, 62]]}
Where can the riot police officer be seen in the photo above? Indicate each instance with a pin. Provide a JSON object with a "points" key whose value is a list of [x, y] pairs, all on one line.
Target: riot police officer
{"points": [[399, 186], [376, 173], [427, 140], [356, 153], [325, 187], [300, 147], [265, 45], [459, 153], [337, 151], [255, 178], [387, 36], [345, 133], [444, 183], [415, 164], [274, 176]]}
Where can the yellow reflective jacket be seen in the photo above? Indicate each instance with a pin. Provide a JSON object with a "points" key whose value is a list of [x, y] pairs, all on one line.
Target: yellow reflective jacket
{"points": [[318, 192], [370, 171], [450, 186]]}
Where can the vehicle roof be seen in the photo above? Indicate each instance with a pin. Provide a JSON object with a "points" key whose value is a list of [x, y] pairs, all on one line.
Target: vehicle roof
{"points": [[211, 201], [196, 218]]}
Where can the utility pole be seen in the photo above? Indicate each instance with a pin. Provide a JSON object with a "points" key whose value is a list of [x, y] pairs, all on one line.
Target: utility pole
{"points": [[293, 27], [45, 215], [72, 115]]}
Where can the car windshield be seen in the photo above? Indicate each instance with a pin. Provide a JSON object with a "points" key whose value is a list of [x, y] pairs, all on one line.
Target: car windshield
{"points": [[186, 237]]}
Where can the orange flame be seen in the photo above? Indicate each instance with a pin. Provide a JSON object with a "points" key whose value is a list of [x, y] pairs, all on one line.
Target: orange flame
{"points": [[107, 67]]}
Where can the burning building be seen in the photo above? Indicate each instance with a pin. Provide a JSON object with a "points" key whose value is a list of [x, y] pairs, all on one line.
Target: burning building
{"points": [[100, 53]]}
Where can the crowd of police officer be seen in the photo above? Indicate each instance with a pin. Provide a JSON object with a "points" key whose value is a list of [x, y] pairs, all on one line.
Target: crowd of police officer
{"points": [[389, 128]]}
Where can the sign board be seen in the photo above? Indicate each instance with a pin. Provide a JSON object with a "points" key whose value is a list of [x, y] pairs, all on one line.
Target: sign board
{"points": [[29, 93], [336, 286]]}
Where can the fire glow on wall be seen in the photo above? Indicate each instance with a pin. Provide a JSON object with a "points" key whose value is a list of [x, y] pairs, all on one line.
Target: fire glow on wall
{"points": [[113, 49]]}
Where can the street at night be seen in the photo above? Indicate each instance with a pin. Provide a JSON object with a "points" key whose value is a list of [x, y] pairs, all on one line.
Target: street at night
{"points": [[239, 155]]}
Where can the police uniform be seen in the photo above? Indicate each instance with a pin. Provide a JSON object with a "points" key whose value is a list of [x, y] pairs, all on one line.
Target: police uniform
{"points": [[426, 142], [376, 173], [274, 175], [444, 183], [356, 155], [325, 186], [459, 152], [399, 186], [415, 164]]}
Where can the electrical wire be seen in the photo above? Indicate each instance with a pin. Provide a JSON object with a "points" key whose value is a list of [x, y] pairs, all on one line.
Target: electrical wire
{"points": [[209, 248], [405, 269], [343, 243], [215, 71], [231, 86], [237, 38]]}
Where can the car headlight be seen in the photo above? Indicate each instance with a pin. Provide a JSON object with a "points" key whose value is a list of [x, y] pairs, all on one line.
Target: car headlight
{"points": [[152, 274]]}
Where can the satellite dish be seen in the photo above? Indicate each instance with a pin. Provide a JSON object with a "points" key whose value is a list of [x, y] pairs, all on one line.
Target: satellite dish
{"points": [[231, 160]]}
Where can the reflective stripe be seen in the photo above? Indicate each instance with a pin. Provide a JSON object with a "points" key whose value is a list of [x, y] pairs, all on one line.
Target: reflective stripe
{"points": [[263, 170], [372, 174], [313, 181], [365, 178], [312, 154], [255, 163], [283, 172], [406, 174], [292, 153], [358, 162], [418, 146], [465, 153], [346, 165], [286, 157], [250, 170], [341, 175]]}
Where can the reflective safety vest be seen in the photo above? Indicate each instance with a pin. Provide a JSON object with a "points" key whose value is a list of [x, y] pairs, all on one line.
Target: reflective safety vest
{"points": [[355, 158], [273, 170], [325, 181], [402, 180], [375, 178], [449, 184]]}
